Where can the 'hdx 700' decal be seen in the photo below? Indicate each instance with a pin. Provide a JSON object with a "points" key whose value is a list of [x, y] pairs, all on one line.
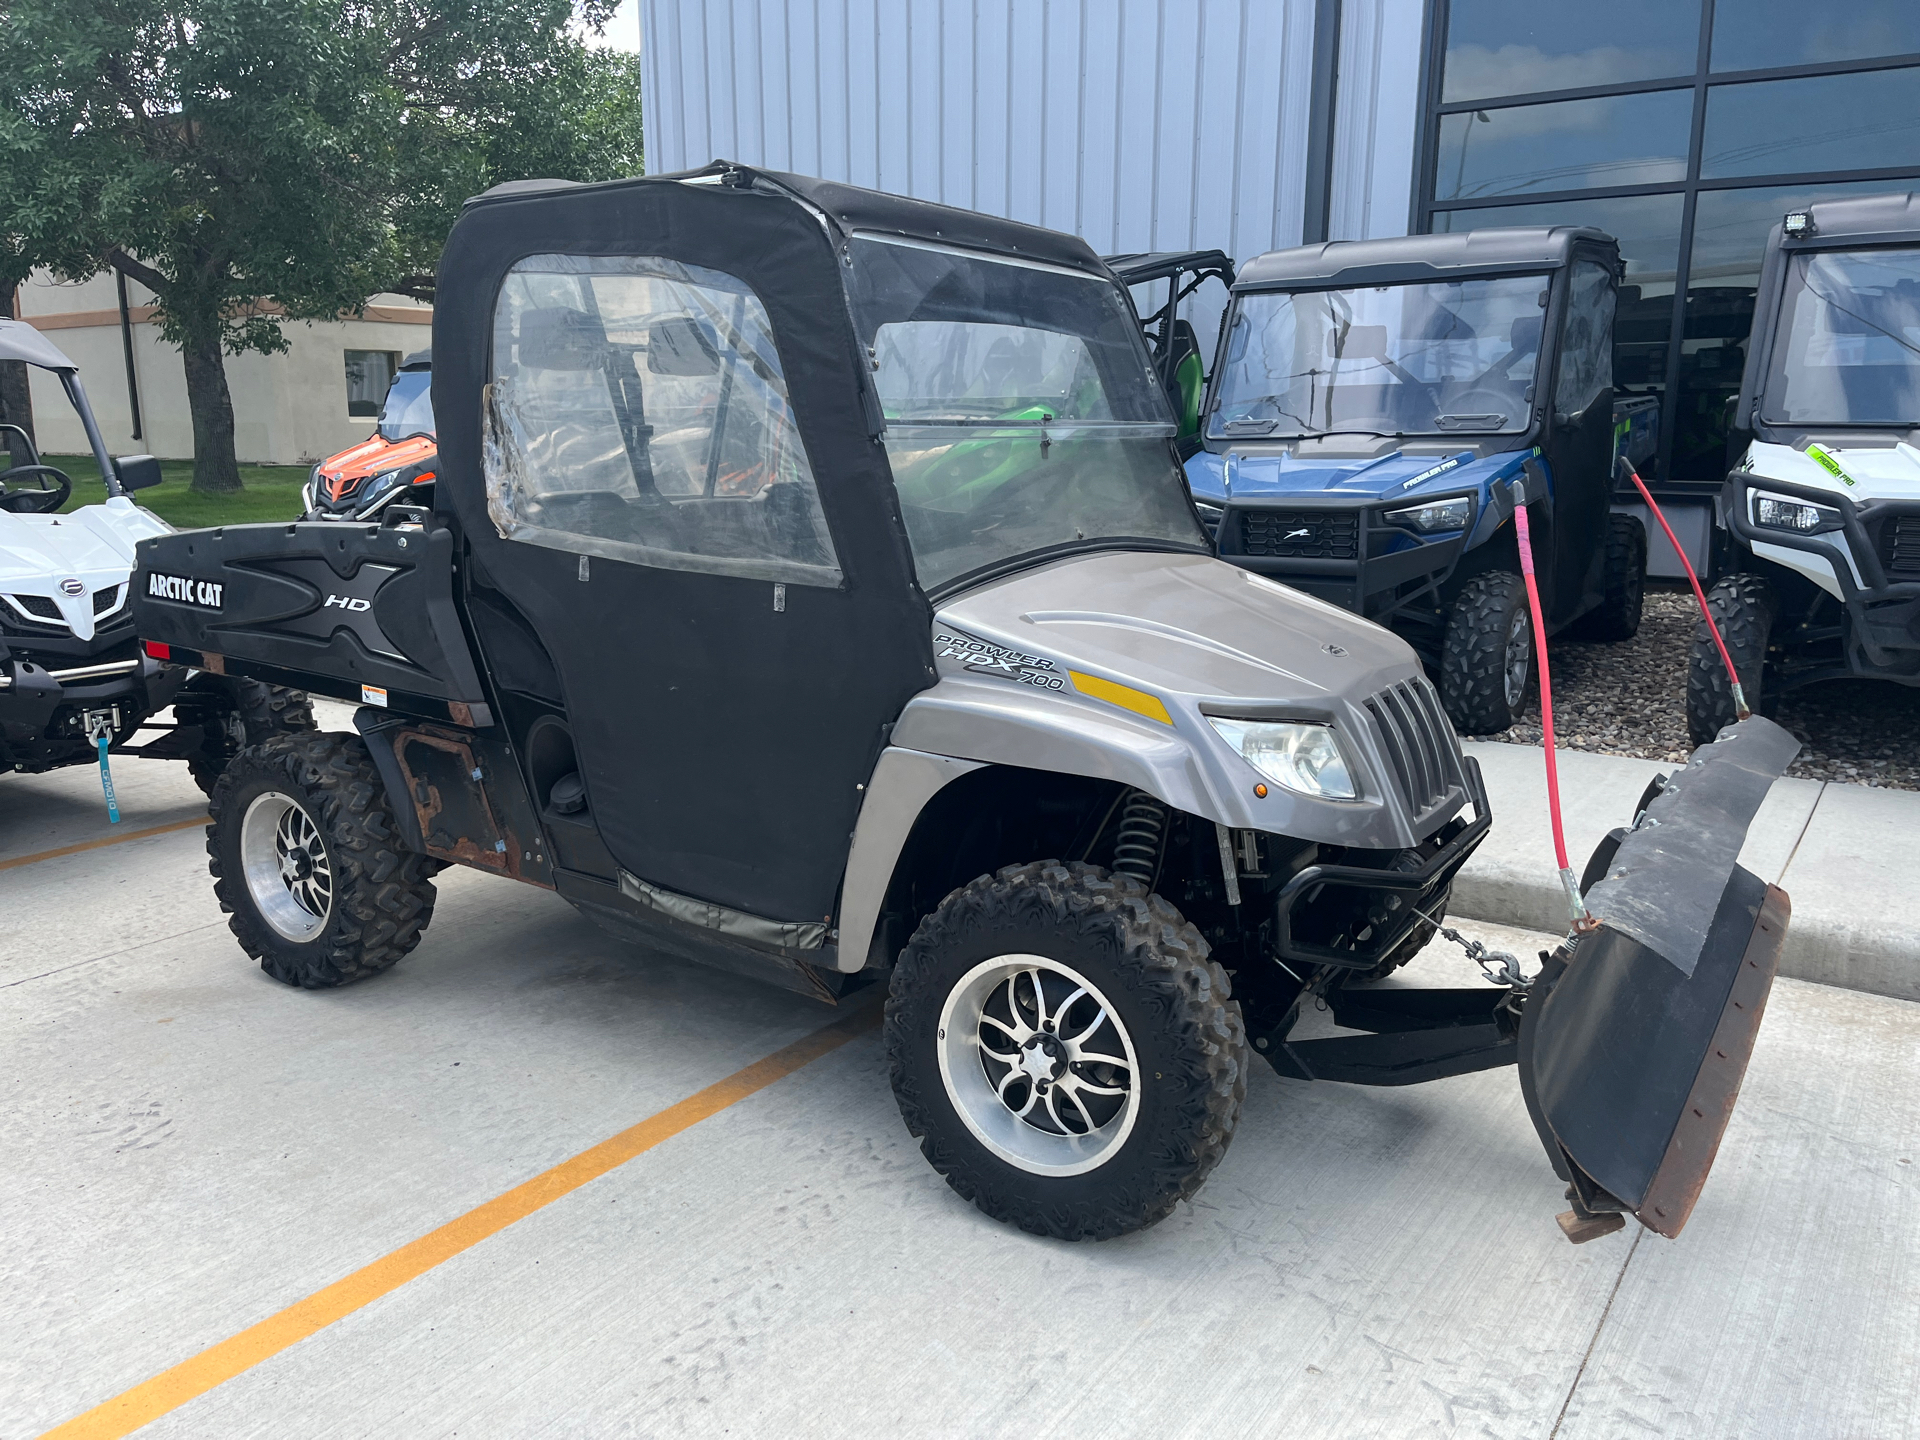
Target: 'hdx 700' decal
{"points": [[185, 589], [987, 659]]}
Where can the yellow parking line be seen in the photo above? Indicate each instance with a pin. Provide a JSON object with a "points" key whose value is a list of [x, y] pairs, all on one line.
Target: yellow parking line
{"points": [[96, 844], [173, 1388]]}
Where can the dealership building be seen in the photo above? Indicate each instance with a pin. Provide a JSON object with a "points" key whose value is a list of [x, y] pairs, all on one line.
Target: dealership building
{"points": [[1684, 128]]}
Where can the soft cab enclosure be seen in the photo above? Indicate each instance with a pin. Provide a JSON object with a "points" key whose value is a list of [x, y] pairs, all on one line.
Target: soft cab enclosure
{"points": [[807, 566]]}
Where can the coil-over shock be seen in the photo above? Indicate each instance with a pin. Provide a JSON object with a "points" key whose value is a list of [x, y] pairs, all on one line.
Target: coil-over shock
{"points": [[1142, 838]]}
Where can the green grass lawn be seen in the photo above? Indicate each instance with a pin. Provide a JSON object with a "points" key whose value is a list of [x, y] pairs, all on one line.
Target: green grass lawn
{"points": [[272, 493]]}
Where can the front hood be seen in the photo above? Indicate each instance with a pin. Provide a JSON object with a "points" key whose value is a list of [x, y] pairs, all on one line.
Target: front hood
{"points": [[90, 548], [1187, 625], [373, 455], [1110, 664], [1383, 477], [1877, 473]]}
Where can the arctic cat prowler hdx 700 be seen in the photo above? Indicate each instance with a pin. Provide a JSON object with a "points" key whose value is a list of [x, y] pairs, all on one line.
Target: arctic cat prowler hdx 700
{"points": [[1819, 546], [74, 684], [1378, 409], [748, 620], [394, 465]]}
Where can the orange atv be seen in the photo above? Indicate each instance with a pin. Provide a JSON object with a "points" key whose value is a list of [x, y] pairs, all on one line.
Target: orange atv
{"points": [[397, 461]]}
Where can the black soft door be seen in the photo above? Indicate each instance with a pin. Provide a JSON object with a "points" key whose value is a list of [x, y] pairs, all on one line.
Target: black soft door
{"points": [[730, 647], [1580, 441]]}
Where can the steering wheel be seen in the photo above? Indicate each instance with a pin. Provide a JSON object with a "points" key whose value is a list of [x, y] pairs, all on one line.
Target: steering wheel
{"points": [[34, 502]]}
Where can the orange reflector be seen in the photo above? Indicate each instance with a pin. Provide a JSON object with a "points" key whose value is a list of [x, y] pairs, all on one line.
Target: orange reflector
{"points": [[426, 479], [1261, 791]]}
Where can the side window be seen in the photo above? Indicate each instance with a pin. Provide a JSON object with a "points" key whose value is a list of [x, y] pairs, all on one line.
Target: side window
{"points": [[637, 410], [1586, 349], [369, 373]]}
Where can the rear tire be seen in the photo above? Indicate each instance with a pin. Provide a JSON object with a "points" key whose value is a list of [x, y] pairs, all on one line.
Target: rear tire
{"points": [[993, 1060], [1743, 606], [233, 714], [1617, 617], [1487, 660], [308, 864]]}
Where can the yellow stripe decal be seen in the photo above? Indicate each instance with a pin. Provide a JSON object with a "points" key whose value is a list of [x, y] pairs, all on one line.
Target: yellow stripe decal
{"points": [[1125, 696], [170, 1389]]}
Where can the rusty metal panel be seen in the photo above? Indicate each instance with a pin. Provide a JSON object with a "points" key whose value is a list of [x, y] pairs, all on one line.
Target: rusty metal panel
{"points": [[470, 802]]}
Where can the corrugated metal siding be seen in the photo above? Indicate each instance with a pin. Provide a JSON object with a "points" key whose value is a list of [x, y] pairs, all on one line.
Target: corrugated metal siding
{"points": [[1138, 124], [1376, 118]]}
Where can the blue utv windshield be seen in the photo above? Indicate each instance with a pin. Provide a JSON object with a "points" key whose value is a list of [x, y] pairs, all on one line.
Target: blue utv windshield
{"points": [[1449, 358]]}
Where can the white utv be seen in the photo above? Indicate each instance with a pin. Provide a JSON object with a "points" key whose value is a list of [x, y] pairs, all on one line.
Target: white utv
{"points": [[72, 672], [811, 589], [1819, 543]]}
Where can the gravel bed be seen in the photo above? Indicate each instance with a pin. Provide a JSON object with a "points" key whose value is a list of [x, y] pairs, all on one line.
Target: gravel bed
{"points": [[1631, 699]]}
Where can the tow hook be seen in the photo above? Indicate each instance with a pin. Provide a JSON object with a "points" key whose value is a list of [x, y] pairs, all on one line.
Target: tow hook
{"points": [[100, 727]]}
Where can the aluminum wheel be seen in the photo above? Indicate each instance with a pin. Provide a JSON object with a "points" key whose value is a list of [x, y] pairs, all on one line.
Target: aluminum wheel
{"points": [[289, 875], [1519, 657], [1038, 1065]]}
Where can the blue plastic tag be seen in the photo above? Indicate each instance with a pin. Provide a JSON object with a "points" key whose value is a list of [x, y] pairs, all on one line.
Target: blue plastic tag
{"points": [[106, 782]]}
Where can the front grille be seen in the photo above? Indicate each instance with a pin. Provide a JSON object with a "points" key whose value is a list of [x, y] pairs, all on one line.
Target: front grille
{"points": [[1902, 545], [1300, 534], [105, 600], [1418, 742], [38, 605]]}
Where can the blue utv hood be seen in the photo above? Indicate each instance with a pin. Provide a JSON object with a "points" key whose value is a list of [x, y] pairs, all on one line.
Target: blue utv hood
{"points": [[1384, 477]]}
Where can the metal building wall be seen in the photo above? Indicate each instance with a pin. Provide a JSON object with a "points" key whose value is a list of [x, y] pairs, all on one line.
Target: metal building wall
{"points": [[1138, 124]]}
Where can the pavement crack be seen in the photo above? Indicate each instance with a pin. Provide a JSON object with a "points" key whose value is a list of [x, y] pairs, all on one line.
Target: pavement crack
{"points": [[1594, 1343], [111, 954]]}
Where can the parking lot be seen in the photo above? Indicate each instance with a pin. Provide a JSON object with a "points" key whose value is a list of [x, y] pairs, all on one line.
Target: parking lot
{"points": [[193, 1149]]}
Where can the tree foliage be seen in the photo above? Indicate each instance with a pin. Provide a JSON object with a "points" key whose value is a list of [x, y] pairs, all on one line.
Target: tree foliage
{"points": [[258, 161]]}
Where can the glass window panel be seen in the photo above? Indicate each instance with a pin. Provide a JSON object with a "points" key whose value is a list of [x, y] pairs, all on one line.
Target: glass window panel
{"points": [[638, 411], [1729, 238], [1756, 34], [1566, 145], [1865, 121], [1648, 229], [1521, 47], [369, 372]]}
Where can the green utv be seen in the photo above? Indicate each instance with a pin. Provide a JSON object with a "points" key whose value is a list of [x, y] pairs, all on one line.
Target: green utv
{"points": [[811, 589]]}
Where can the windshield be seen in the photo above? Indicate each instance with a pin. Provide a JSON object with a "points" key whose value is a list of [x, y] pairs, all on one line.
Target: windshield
{"points": [[1850, 352], [1386, 360], [409, 406], [1022, 416]]}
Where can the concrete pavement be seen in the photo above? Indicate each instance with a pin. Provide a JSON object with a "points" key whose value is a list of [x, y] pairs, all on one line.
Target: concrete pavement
{"points": [[191, 1147], [1847, 855]]}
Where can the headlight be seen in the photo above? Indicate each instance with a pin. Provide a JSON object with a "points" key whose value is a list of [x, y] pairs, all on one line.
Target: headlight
{"points": [[1777, 513], [1299, 756], [1430, 519], [1210, 516], [381, 483]]}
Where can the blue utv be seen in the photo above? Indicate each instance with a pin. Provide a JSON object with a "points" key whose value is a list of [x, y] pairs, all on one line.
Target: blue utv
{"points": [[1379, 407]]}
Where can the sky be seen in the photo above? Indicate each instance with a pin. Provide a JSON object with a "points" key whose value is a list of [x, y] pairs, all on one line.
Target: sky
{"points": [[623, 31]]}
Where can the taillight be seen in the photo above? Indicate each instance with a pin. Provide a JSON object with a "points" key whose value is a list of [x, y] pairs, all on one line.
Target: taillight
{"points": [[159, 650]]}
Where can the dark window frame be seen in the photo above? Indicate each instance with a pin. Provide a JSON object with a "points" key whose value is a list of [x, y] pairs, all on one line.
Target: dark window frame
{"points": [[1424, 207]]}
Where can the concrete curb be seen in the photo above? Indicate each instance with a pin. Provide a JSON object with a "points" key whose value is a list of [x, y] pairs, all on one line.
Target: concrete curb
{"points": [[1847, 855]]}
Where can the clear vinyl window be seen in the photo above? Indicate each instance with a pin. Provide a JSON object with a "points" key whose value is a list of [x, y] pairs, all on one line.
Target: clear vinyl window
{"points": [[1586, 348], [638, 411]]}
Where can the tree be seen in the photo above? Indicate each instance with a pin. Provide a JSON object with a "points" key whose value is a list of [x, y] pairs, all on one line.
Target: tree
{"points": [[253, 162]]}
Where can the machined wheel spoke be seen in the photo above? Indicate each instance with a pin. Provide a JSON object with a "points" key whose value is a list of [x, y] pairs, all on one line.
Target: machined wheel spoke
{"points": [[1018, 1032], [1006, 1083], [1081, 1084]]}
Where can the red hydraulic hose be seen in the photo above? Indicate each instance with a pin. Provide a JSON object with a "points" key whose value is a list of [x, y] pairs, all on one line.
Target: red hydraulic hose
{"points": [[1576, 907], [1740, 710]]}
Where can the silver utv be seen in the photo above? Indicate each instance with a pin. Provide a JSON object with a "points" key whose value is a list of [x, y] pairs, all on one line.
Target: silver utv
{"points": [[811, 590]]}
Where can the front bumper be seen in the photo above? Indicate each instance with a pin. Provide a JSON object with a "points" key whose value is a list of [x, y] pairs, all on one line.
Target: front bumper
{"points": [[1342, 552], [1400, 894], [1875, 558]]}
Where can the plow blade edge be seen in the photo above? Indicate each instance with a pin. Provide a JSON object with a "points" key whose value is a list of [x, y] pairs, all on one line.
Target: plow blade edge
{"points": [[1637, 1035]]}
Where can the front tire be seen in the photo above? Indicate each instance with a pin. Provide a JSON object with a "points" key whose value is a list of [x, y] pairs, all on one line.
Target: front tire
{"points": [[308, 864], [1486, 660], [1068, 1056], [1743, 607]]}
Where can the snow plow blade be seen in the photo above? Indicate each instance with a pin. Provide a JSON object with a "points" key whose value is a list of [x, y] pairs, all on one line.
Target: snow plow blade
{"points": [[1637, 1034]]}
